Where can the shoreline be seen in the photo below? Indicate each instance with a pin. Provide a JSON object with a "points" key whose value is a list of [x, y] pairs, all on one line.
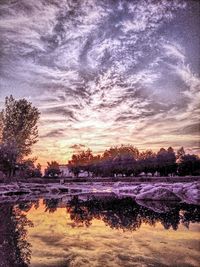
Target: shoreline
{"points": [[131, 179], [188, 192]]}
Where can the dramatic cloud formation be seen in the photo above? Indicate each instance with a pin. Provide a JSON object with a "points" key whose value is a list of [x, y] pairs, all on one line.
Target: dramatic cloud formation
{"points": [[104, 72]]}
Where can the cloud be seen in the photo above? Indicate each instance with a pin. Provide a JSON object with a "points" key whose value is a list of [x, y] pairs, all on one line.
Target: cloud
{"points": [[77, 146], [54, 133], [192, 129], [174, 51], [100, 71], [60, 111]]}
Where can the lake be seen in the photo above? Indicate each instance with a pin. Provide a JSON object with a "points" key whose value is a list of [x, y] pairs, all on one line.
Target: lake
{"points": [[98, 231]]}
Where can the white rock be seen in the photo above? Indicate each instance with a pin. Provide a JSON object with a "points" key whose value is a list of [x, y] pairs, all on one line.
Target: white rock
{"points": [[158, 193]]}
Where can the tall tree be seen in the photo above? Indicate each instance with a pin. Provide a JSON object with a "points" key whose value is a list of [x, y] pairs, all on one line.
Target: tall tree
{"points": [[19, 125]]}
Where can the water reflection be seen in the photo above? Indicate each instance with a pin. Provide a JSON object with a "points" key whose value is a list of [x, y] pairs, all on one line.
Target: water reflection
{"points": [[15, 250], [125, 213], [116, 213]]}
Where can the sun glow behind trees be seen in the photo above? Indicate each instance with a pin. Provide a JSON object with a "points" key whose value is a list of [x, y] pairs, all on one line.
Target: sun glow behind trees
{"points": [[104, 72], [127, 160], [19, 132]]}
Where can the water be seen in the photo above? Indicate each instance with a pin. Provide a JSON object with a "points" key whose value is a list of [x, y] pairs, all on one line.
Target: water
{"points": [[98, 232]]}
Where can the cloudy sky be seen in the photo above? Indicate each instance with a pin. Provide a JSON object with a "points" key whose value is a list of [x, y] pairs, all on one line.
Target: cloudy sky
{"points": [[104, 72]]}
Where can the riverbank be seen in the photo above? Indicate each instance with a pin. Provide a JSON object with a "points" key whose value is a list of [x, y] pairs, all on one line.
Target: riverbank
{"points": [[131, 179], [188, 192]]}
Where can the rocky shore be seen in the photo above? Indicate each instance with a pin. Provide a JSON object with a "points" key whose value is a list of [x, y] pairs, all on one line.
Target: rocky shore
{"points": [[184, 192]]}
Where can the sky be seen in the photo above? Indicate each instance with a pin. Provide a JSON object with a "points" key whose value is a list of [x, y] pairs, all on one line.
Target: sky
{"points": [[104, 72]]}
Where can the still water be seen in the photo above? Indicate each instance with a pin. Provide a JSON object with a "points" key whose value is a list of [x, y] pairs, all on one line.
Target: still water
{"points": [[98, 232]]}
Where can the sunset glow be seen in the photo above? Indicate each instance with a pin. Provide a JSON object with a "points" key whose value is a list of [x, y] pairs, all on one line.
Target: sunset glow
{"points": [[99, 244], [104, 73]]}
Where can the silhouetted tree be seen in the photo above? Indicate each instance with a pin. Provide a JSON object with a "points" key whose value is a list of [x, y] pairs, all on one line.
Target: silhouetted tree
{"points": [[189, 165], [95, 167], [126, 214], [52, 169], [8, 158], [28, 169], [126, 160], [81, 161], [18, 132], [38, 170], [15, 250], [1, 126], [119, 160], [51, 205], [166, 161], [147, 162], [19, 120]]}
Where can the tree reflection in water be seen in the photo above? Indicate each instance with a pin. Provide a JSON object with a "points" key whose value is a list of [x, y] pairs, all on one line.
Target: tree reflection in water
{"points": [[14, 249], [51, 205], [123, 214], [126, 214]]}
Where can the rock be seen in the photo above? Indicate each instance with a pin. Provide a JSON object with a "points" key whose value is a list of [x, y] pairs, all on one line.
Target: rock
{"points": [[186, 192], [158, 193], [156, 206], [191, 193], [55, 190]]}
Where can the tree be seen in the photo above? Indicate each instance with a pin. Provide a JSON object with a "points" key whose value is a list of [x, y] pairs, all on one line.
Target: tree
{"points": [[189, 165], [147, 162], [81, 161], [166, 161], [180, 153], [38, 170], [1, 126], [95, 165], [15, 249], [171, 161], [8, 158], [28, 169], [19, 125], [52, 169], [126, 160], [120, 160], [121, 150]]}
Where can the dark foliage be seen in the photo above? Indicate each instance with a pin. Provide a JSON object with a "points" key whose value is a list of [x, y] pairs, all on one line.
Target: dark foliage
{"points": [[52, 169], [128, 161]]}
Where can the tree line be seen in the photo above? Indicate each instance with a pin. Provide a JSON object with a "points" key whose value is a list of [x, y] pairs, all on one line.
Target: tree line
{"points": [[19, 132], [127, 160]]}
